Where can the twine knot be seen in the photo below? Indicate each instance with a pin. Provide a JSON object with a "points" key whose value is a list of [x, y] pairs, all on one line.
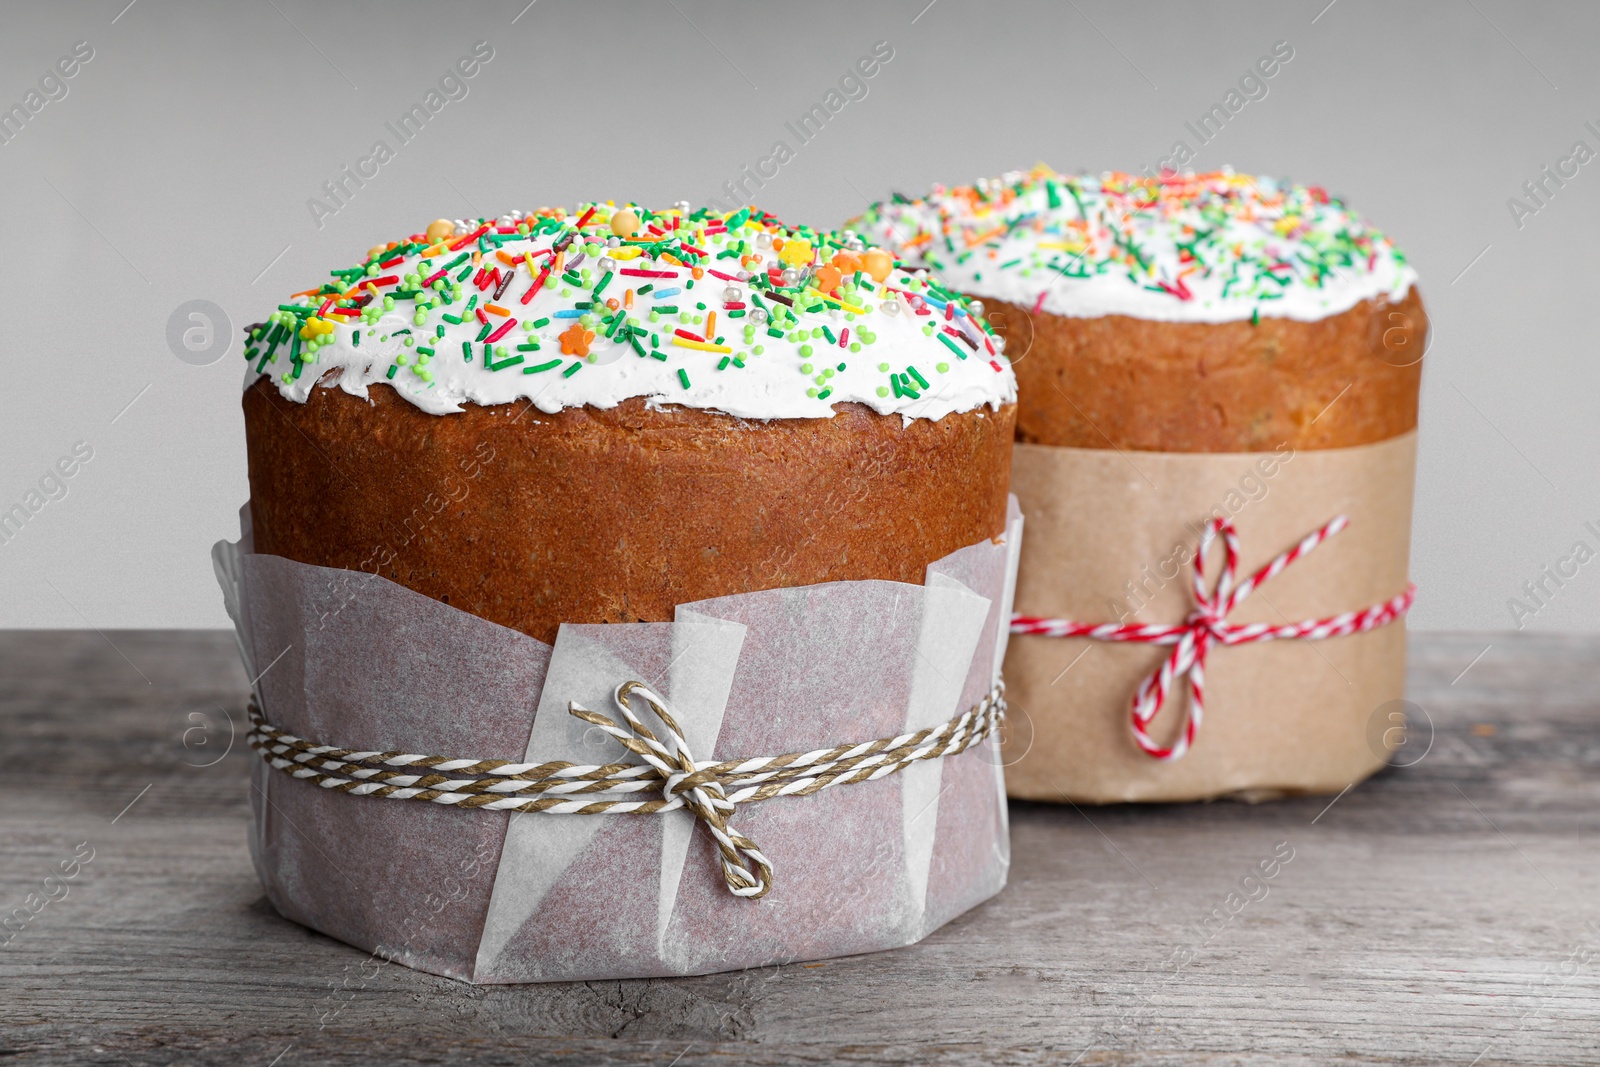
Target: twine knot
{"points": [[745, 868], [1208, 625]]}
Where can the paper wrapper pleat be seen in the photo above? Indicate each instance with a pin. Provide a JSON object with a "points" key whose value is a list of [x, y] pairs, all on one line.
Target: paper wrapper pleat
{"points": [[356, 661], [1105, 533]]}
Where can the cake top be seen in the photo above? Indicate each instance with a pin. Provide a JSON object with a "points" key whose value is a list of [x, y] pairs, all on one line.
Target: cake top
{"points": [[1215, 247], [734, 312]]}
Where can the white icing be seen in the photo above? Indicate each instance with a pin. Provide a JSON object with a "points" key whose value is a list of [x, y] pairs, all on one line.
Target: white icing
{"points": [[1250, 220], [770, 385]]}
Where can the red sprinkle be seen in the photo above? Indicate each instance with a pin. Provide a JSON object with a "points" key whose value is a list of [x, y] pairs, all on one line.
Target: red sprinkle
{"points": [[587, 215], [387, 279], [638, 272], [1180, 291], [537, 284], [844, 337], [719, 274], [461, 242], [501, 332], [685, 334], [386, 264], [481, 316], [1038, 305]]}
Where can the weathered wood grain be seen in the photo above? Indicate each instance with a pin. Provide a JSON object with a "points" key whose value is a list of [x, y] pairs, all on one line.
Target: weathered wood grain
{"points": [[1445, 912]]}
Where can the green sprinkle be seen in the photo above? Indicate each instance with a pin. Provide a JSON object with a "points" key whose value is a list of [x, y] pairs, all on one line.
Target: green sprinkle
{"points": [[723, 363], [504, 363], [466, 350], [355, 338], [540, 322], [951, 345], [683, 376], [577, 365], [918, 376], [541, 366], [392, 369], [532, 346]]}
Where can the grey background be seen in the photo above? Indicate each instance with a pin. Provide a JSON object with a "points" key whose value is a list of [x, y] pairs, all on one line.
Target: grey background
{"points": [[179, 165]]}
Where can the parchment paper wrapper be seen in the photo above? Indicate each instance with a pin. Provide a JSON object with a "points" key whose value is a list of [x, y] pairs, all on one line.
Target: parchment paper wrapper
{"points": [[356, 661], [1290, 716]]}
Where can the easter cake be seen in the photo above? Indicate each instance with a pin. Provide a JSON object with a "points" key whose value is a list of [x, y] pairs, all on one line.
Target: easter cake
{"points": [[1202, 360], [596, 416]]}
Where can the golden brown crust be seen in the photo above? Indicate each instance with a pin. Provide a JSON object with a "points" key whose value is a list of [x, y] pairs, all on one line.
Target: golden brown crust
{"points": [[531, 520], [1119, 382]]}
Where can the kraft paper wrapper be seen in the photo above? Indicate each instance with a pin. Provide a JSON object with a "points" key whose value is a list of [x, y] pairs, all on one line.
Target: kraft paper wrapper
{"points": [[356, 661], [1281, 717]]}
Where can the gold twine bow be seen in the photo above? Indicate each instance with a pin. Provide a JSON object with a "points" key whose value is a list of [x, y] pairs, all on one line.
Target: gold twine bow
{"points": [[699, 790]]}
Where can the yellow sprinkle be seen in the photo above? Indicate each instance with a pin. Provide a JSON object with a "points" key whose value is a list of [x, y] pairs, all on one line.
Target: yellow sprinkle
{"points": [[626, 252], [703, 346]]}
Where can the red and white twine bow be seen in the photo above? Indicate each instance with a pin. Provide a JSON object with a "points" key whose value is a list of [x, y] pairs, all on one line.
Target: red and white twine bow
{"points": [[1208, 625]]}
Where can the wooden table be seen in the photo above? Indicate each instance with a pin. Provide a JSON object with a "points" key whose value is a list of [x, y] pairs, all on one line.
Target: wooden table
{"points": [[1447, 912]]}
